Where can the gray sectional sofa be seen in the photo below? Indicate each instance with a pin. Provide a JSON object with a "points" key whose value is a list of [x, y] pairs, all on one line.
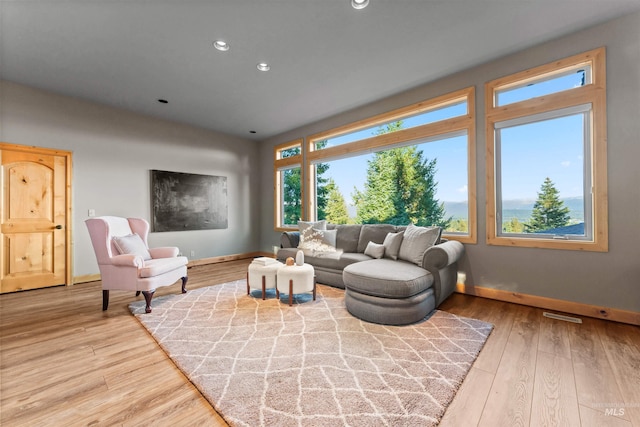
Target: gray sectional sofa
{"points": [[401, 286]]}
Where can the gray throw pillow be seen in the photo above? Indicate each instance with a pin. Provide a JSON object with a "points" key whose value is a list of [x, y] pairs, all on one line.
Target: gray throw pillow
{"points": [[374, 250], [416, 241], [392, 244], [131, 244]]}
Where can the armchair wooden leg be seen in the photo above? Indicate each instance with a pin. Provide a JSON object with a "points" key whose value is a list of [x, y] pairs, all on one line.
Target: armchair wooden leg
{"points": [[148, 295], [184, 284], [105, 299]]}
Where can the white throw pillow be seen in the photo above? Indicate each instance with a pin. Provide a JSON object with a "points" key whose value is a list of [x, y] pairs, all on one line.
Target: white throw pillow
{"points": [[374, 250], [416, 241], [392, 244], [131, 244]]}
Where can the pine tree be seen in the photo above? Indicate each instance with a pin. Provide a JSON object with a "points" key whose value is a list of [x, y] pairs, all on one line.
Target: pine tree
{"points": [[549, 211], [513, 226], [292, 196], [400, 188], [336, 210]]}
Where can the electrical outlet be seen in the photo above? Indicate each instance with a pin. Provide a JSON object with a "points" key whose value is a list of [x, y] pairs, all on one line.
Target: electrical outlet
{"points": [[91, 213], [193, 254]]}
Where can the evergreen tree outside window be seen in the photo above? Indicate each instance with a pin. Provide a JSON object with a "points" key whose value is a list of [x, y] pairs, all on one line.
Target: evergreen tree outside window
{"points": [[336, 208], [291, 196], [549, 212], [400, 188]]}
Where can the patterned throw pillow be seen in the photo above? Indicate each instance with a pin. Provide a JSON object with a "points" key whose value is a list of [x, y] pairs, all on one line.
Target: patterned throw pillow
{"points": [[319, 242], [307, 228]]}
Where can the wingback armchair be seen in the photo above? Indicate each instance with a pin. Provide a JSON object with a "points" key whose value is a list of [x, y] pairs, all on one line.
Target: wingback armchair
{"points": [[127, 263]]}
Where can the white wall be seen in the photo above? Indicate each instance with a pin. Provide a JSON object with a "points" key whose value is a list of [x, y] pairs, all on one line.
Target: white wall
{"points": [[606, 279], [113, 152]]}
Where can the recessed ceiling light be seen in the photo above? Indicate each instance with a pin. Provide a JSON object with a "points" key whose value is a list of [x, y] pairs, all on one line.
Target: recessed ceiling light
{"points": [[221, 45], [359, 4], [263, 66]]}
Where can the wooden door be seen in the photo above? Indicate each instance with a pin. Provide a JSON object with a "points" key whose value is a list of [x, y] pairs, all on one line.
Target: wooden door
{"points": [[35, 218]]}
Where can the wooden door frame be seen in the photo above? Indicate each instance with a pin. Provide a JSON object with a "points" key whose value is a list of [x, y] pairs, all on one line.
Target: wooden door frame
{"points": [[68, 155]]}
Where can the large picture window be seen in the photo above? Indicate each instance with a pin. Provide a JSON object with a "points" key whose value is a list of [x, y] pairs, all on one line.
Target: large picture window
{"points": [[425, 183], [546, 156], [412, 165]]}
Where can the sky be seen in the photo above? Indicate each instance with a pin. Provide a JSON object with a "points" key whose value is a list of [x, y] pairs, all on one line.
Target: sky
{"points": [[550, 148]]}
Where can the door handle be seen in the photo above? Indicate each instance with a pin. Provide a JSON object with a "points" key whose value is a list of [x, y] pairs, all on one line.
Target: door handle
{"points": [[58, 227]]}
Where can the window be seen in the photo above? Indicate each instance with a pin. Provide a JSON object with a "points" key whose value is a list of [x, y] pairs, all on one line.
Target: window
{"points": [[559, 81], [412, 165], [546, 156], [430, 116], [288, 184], [383, 186]]}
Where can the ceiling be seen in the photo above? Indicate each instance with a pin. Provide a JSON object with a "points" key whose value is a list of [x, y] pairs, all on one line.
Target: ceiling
{"points": [[325, 56]]}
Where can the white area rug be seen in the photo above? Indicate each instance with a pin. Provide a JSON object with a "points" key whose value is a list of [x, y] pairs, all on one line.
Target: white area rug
{"points": [[263, 363]]}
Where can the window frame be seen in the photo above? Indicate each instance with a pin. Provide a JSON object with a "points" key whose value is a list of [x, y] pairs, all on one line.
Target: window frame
{"points": [[281, 164], [433, 130], [593, 94]]}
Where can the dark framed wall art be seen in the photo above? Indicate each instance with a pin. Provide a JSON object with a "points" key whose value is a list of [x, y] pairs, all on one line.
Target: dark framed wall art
{"points": [[186, 201]]}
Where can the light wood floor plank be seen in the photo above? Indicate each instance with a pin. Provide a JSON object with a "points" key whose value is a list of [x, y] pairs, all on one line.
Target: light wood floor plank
{"points": [[554, 396], [596, 383], [468, 404], [510, 398], [554, 337], [502, 314], [622, 346]]}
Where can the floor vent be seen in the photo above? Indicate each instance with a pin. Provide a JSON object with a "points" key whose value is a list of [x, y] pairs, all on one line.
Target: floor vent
{"points": [[561, 317]]}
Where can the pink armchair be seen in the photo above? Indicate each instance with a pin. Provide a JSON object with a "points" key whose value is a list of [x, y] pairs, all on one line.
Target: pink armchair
{"points": [[127, 263]]}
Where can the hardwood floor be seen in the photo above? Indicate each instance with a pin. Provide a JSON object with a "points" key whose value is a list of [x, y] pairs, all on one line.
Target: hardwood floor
{"points": [[536, 371], [65, 362]]}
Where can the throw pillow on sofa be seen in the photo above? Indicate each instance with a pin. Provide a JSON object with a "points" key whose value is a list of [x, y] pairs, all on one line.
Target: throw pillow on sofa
{"points": [[318, 242], [392, 245], [307, 228], [374, 250], [416, 241]]}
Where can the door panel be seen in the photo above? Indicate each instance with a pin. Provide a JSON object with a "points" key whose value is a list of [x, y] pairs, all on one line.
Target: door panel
{"points": [[34, 207]]}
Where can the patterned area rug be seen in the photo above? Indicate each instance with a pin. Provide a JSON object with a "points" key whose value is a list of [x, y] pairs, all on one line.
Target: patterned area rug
{"points": [[263, 363]]}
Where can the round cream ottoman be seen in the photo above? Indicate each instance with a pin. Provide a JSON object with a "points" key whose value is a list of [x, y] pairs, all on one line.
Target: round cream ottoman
{"points": [[262, 277], [296, 279]]}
